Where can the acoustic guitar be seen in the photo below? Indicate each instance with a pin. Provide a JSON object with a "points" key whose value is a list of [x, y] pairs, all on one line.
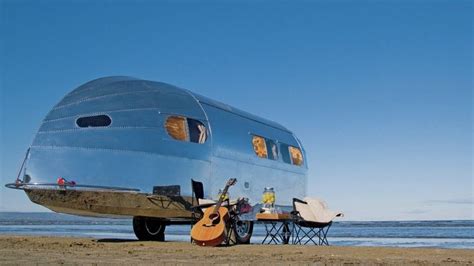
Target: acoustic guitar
{"points": [[210, 230]]}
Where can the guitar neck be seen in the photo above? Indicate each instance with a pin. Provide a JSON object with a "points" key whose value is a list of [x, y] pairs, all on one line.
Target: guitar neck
{"points": [[221, 197]]}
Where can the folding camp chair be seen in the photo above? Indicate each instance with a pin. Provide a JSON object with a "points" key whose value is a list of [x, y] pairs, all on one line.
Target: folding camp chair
{"points": [[312, 221], [198, 198]]}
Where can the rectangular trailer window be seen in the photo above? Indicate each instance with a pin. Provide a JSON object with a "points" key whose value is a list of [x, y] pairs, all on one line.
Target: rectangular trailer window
{"points": [[176, 127], [197, 131], [296, 155], [259, 146], [291, 155], [186, 129], [285, 153], [272, 149]]}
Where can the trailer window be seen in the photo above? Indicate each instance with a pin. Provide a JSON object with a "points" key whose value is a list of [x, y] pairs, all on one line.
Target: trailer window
{"points": [[197, 131], [176, 128], [285, 153], [259, 146], [272, 149], [94, 121], [186, 129], [296, 155]]}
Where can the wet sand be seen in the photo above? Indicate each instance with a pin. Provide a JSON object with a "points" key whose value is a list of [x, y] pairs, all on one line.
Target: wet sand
{"points": [[66, 250]]}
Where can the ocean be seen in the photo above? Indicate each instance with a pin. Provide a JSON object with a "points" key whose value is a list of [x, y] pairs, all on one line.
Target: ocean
{"points": [[433, 234]]}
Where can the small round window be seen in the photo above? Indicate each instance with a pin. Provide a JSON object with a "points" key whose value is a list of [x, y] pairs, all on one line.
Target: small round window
{"points": [[186, 129], [94, 121]]}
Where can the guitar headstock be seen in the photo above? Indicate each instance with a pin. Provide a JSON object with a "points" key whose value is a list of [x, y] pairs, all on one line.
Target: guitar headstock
{"points": [[231, 182]]}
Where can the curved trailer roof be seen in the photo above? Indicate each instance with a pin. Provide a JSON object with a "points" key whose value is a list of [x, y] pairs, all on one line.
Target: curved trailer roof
{"points": [[118, 93]]}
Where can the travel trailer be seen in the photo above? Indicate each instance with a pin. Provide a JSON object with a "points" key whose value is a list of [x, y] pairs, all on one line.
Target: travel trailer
{"points": [[121, 146]]}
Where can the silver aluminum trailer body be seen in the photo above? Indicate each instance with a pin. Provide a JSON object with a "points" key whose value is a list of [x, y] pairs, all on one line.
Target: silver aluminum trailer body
{"points": [[115, 132]]}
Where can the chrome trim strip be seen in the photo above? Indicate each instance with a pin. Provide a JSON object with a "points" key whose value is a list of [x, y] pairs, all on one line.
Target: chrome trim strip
{"points": [[23, 186]]}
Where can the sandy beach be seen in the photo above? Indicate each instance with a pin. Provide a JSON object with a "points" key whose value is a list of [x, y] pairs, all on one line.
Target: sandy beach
{"points": [[65, 250]]}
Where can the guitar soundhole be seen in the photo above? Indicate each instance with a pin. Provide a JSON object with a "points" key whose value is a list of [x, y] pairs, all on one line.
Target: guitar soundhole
{"points": [[214, 217]]}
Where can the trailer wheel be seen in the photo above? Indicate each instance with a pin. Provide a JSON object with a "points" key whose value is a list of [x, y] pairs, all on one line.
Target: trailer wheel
{"points": [[243, 231], [149, 229]]}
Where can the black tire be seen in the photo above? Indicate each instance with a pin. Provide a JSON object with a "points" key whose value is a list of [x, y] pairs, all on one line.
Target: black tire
{"points": [[149, 229], [243, 231]]}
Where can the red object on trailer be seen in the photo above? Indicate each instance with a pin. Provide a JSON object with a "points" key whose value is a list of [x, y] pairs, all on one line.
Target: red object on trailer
{"points": [[63, 182]]}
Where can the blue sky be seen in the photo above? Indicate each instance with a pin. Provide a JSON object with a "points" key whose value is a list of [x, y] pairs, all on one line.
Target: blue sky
{"points": [[379, 92]]}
